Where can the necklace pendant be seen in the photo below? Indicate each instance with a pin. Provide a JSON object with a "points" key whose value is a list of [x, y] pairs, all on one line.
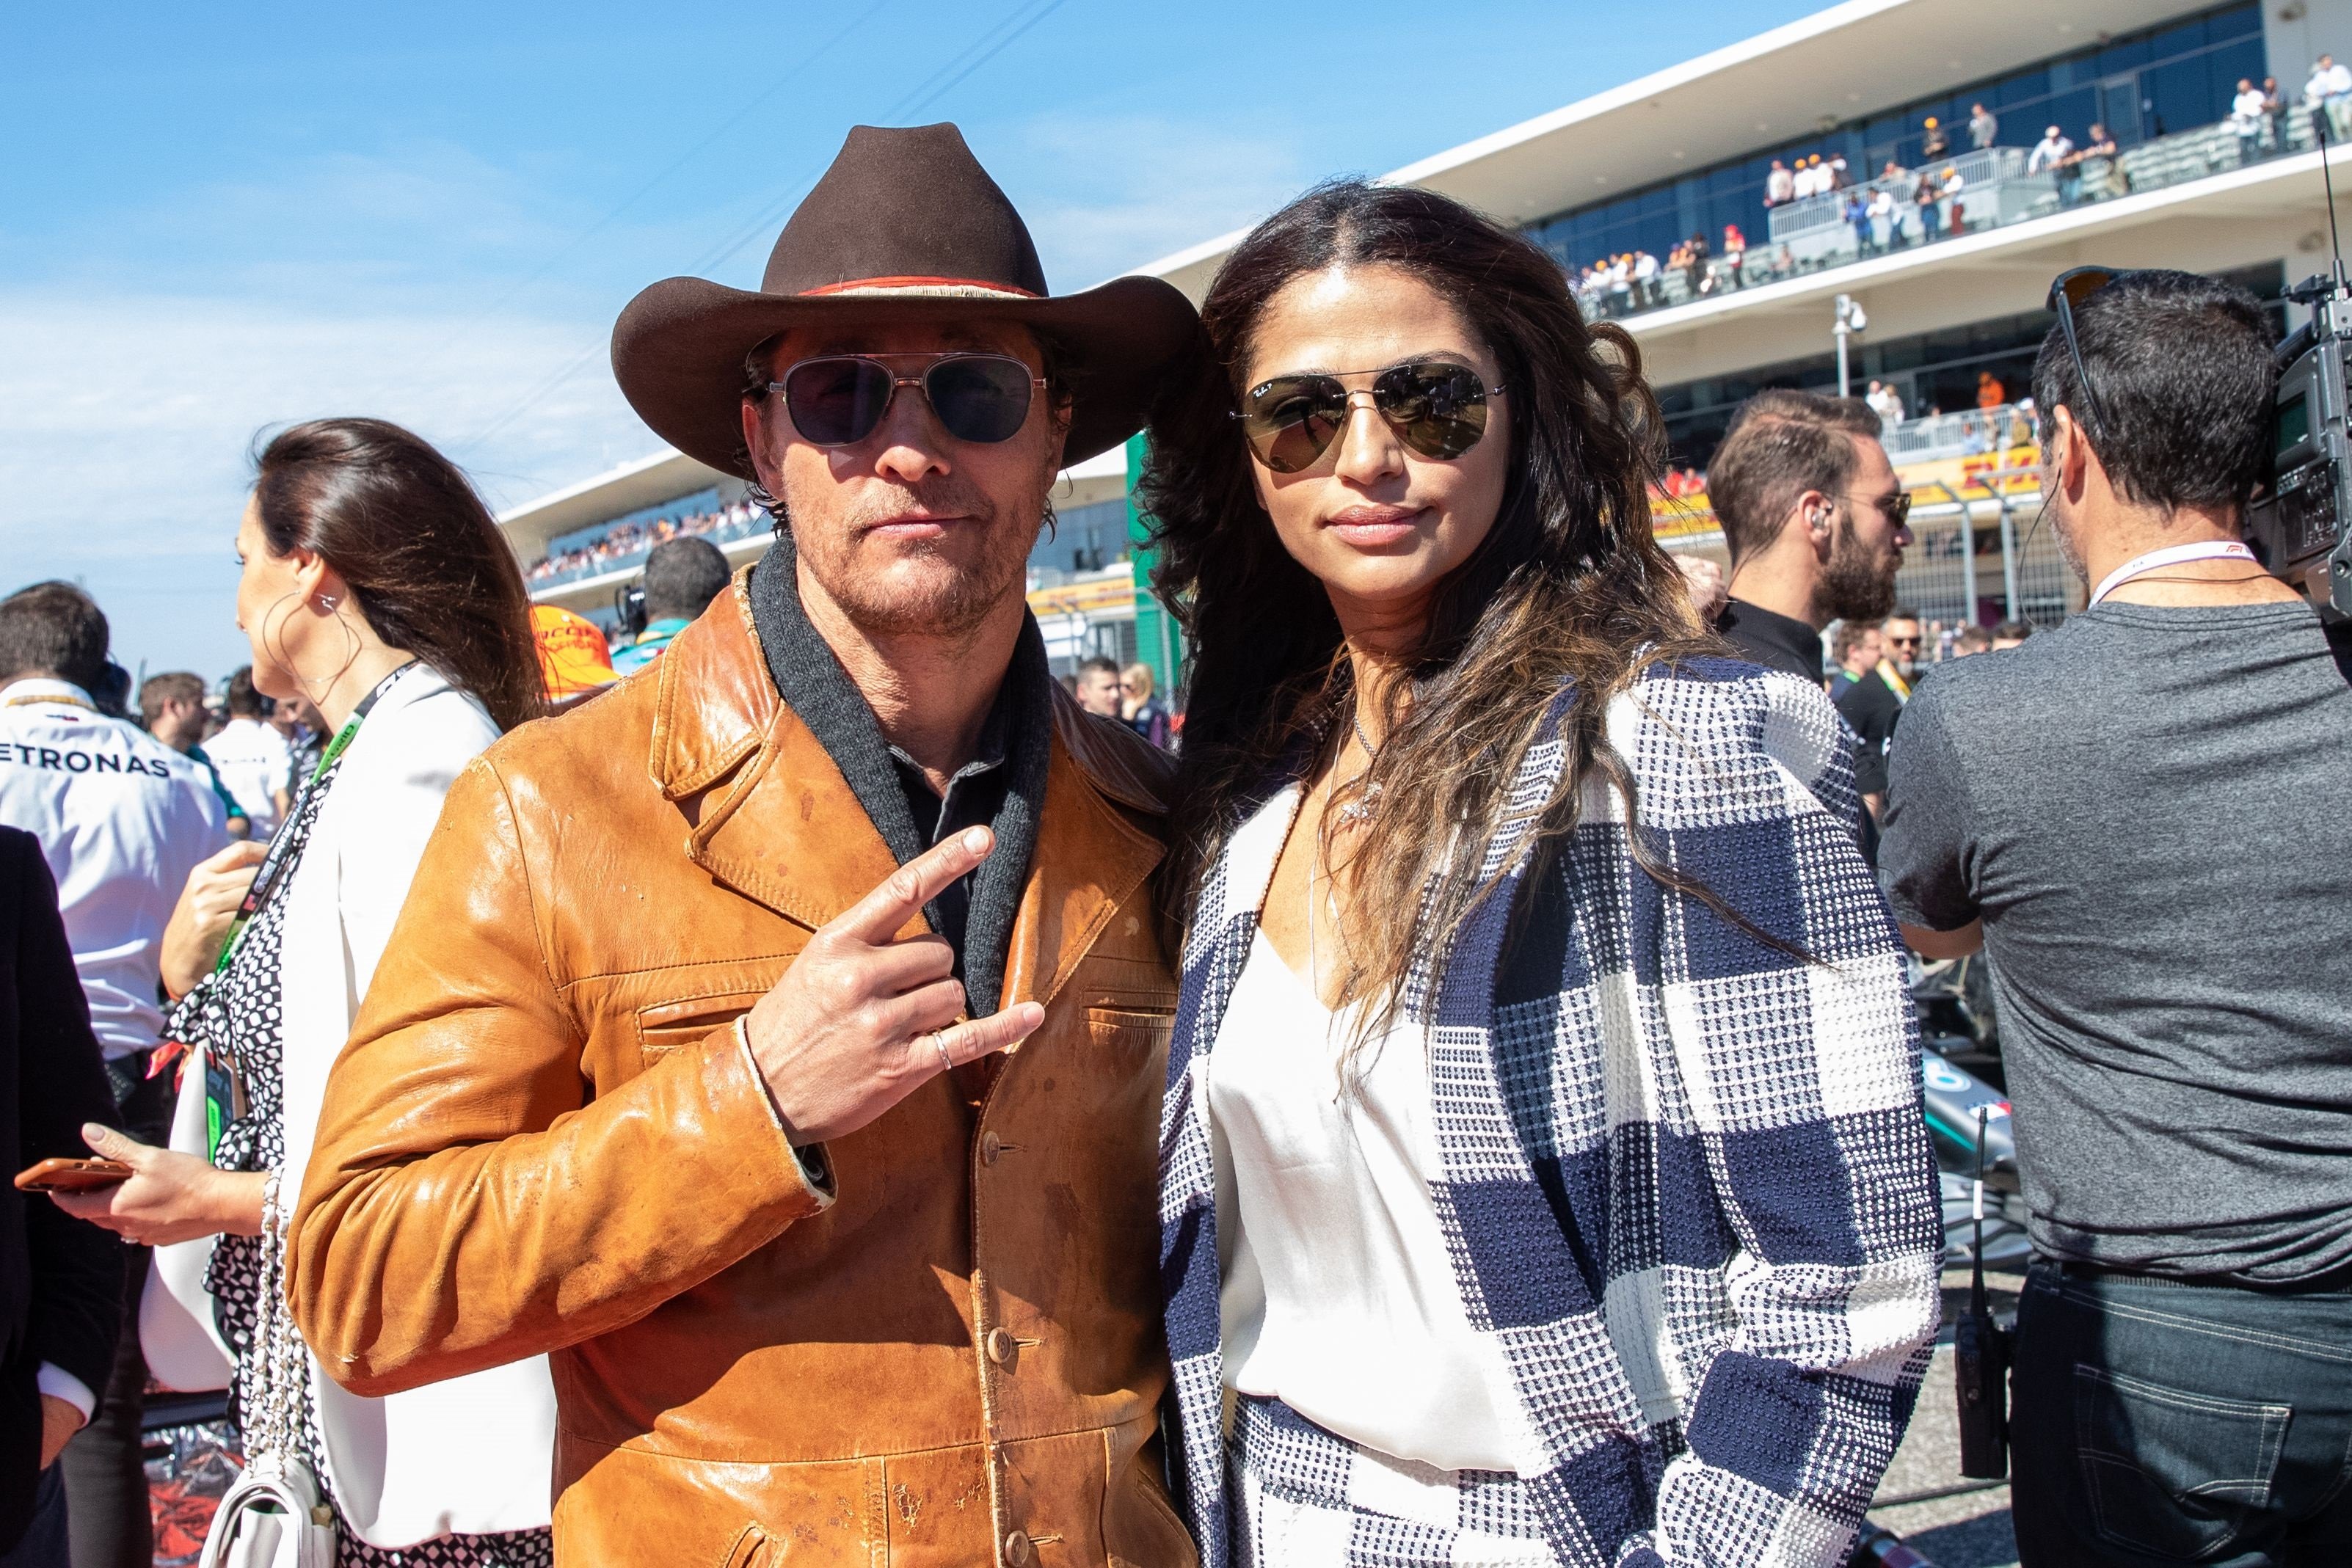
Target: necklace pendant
{"points": [[1358, 812]]}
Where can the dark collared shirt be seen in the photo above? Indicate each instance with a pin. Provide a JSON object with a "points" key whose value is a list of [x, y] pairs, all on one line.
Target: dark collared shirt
{"points": [[1774, 640], [1004, 786], [974, 796]]}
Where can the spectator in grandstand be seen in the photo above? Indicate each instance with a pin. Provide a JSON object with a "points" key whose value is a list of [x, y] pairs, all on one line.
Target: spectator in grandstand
{"points": [[682, 576], [2139, 816], [1886, 402], [1972, 639], [2011, 634], [1779, 185], [1815, 520], [1855, 652], [2050, 152], [1884, 213], [2329, 92], [1948, 189], [252, 758], [1098, 687], [2095, 166], [1836, 180], [1984, 127], [1387, 608], [1990, 392], [1934, 142], [2249, 114], [1646, 286], [418, 658], [172, 706], [1925, 196], [124, 821], [1873, 705], [62, 1282], [1735, 254], [2274, 114], [1144, 712], [610, 1138]]}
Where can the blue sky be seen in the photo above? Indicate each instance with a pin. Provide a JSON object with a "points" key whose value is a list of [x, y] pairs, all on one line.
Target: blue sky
{"points": [[214, 220]]}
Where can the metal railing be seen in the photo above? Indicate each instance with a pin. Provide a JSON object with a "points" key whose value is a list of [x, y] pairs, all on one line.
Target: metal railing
{"points": [[1815, 235], [1970, 432], [1967, 568], [724, 532]]}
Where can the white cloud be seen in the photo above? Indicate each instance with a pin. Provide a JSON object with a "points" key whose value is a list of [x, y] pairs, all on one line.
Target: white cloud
{"points": [[132, 414]]}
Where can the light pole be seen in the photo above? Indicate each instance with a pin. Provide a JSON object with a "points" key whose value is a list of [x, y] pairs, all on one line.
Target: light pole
{"points": [[1850, 318]]}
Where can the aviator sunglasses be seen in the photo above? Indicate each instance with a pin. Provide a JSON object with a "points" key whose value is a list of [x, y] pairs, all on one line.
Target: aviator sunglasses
{"points": [[838, 400], [1436, 407], [2068, 290]]}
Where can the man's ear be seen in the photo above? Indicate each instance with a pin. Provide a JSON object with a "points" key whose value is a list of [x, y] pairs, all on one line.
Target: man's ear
{"points": [[1812, 517], [2073, 455], [755, 429]]}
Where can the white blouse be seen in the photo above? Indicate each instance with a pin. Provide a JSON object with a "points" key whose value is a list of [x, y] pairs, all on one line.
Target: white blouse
{"points": [[1339, 1296]]}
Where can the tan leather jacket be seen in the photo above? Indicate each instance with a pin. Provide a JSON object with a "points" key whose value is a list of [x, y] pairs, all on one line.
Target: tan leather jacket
{"points": [[546, 1135]]}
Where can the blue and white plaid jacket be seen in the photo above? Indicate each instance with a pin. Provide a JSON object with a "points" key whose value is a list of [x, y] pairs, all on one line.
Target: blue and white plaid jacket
{"points": [[1687, 1184]]}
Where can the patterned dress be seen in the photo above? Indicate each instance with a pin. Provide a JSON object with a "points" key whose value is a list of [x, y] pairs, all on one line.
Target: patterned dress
{"points": [[239, 1014]]}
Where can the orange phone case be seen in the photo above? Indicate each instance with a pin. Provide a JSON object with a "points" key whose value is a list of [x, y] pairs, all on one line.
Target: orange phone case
{"points": [[72, 1175]]}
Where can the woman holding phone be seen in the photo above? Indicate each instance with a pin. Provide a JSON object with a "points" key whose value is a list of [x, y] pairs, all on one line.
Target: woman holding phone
{"points": [[376, 586], [1544, 1176]]}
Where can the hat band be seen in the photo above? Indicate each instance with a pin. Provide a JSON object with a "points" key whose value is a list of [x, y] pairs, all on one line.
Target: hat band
{"points": [[923, 289]]}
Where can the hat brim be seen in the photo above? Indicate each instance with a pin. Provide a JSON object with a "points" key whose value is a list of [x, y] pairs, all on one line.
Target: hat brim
{"points": [[678, 350]]}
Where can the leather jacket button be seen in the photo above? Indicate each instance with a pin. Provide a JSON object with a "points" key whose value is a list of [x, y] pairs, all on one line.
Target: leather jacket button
{"points": [[990, 1145], [1001, 1347], [1016, 1549]]}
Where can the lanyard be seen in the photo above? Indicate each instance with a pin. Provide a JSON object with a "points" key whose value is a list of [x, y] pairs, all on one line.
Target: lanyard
{"points": [[2171, 555], [281, 846]]}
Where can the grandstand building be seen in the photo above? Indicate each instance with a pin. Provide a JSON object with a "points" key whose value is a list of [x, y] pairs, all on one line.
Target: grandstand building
{"points": [[1949, 267]]}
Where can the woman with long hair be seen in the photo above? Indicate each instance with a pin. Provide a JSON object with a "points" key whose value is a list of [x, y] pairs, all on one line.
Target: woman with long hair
{"points": [[376, 587], [1544, 1174]]}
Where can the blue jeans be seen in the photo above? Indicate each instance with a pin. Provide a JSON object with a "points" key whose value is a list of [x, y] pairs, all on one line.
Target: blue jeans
{"points": [[43, 1544], [2154, 1423]]}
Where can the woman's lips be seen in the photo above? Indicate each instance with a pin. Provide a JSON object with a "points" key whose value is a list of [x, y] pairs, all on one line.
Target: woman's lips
{"points": [[1369, 528]]}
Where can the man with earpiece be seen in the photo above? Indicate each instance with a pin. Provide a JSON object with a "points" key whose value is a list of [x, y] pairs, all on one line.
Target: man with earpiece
{"points": [[1815, 520]]}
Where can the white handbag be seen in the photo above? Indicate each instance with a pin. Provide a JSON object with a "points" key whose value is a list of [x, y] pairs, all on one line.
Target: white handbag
{"points": [[274, 1516]]}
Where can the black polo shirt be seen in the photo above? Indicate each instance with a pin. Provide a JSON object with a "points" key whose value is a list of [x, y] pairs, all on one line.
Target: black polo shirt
{"points": [[1777, 642]]}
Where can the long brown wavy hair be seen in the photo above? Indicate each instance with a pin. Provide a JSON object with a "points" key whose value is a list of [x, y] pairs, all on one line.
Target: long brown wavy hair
{"points": [[425, 561], [1568, 590]]}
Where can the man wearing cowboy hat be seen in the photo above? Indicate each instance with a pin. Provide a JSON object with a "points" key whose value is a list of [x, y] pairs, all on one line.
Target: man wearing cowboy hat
{"points": [[777, 1040]]}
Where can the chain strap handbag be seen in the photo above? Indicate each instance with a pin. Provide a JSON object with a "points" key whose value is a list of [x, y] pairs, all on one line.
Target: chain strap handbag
{"points": [[274, 1516]]}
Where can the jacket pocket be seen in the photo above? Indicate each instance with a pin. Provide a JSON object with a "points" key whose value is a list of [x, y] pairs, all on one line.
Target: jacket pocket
{"points": [[2170, 1472], [666, 1026], [1140, 1527], [749, 1549]]}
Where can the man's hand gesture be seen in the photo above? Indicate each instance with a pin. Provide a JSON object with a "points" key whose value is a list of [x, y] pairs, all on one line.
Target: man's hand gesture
{"points": [[863, 1019]]}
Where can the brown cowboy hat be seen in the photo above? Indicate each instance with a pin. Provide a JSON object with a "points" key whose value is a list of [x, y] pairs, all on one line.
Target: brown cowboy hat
{"points": [[905, 226]]}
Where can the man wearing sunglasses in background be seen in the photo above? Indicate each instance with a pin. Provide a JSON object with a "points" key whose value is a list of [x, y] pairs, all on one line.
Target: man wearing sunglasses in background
{"points": [[1815, 521], [2140, 817], [778, 1039], [1872, 704]]}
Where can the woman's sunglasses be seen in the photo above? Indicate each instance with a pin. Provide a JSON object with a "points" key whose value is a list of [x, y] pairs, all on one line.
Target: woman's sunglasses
{"points": [[1436, 407], [838, 400], [2068, 291]]}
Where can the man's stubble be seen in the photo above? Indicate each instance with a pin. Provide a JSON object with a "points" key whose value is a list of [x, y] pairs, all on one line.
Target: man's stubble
{"points": [[1855, 585], [953, 601]]}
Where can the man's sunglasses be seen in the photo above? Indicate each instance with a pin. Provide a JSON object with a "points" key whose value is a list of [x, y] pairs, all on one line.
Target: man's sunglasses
{"points": [[2068, 291], [1436, 407], [838, 400], [1894, 508]]}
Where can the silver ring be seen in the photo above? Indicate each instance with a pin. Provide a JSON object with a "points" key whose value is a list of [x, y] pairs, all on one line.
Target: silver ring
{"points": [[938, 1043]]}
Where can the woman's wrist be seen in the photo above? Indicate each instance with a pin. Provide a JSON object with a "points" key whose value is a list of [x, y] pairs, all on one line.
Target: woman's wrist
{"points": [[236, 1201]]}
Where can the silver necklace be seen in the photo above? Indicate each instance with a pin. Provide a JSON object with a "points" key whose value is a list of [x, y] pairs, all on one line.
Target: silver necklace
{"points": [[1360, 810]]}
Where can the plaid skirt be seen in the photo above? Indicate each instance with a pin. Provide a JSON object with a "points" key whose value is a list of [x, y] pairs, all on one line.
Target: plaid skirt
{"points": [[1307, 1497]]}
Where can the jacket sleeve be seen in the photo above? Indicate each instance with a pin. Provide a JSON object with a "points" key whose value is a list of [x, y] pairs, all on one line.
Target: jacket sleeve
{"points": [[468, 1202], [1803, 1079], [77, 1268]]}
